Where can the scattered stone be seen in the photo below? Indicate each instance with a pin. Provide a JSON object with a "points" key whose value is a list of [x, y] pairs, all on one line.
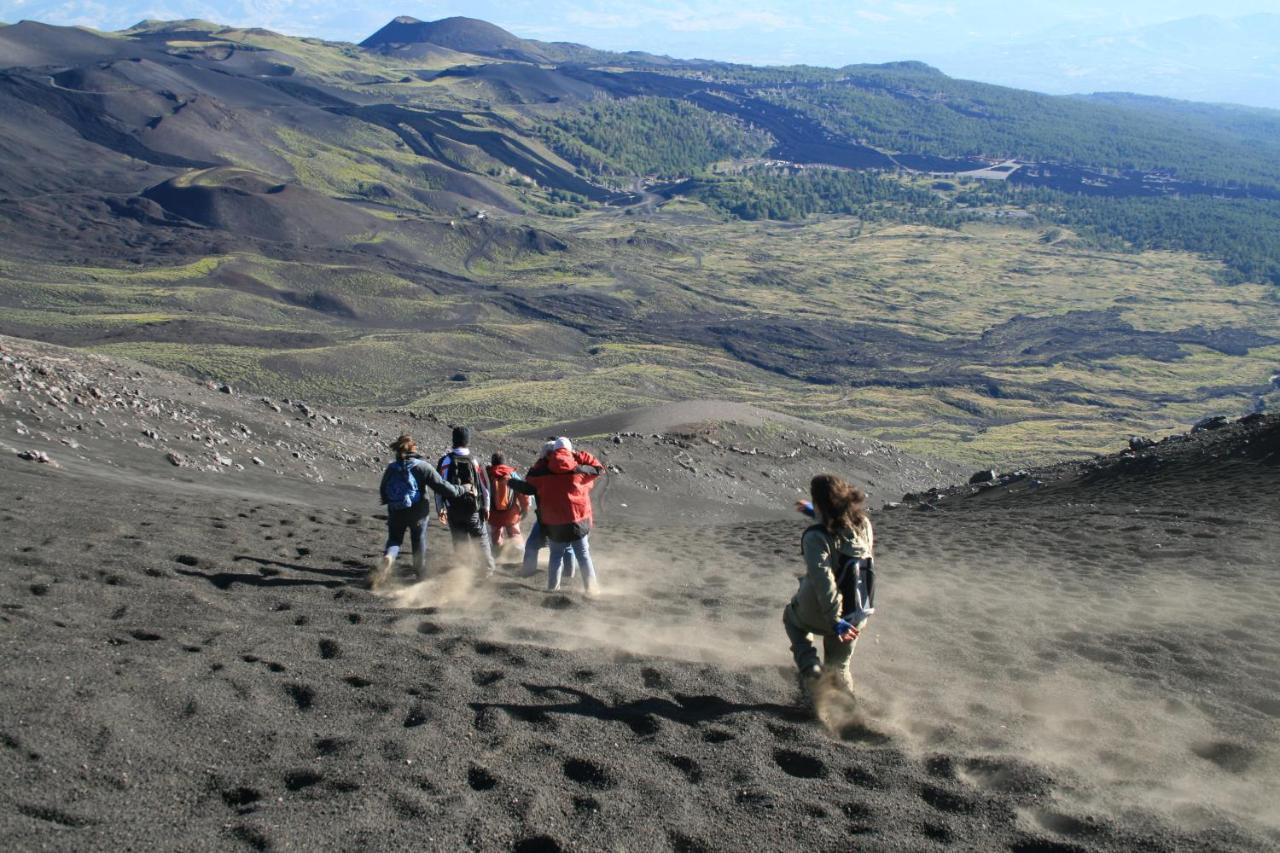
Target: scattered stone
{"points": [[458, 377], [224, 461], [1210, 423], [225, 388], [987, 476], [257, 461], [37, 456], [1138, 442], [176, 459]]}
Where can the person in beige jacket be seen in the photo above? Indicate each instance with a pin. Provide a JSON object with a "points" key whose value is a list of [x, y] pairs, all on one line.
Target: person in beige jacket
{"points": [[835, 598]]}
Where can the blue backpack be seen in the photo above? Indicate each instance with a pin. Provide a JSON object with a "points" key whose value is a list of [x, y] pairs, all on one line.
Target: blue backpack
{"points": [[403, 490]]}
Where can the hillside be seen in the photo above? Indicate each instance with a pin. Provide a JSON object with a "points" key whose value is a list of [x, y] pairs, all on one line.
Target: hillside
{"points": [[529, 243], [204, 645]]}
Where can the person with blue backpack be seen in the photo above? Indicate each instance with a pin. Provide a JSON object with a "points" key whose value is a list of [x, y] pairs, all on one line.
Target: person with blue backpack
{"points": [[403, 490]]}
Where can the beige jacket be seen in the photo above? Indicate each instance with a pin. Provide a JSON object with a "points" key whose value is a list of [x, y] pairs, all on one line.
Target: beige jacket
{"points": [[817, 603]]}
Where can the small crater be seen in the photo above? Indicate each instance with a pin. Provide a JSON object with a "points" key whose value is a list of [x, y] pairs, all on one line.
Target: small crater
{"points": [[302, 695], [690, 768], [486, 677], [187, 560], [937, 832], [799, 765], [429, 629], [329, 649], [239, 798], [357, 682], [946, 801], [38, 589], [252, 837], [480, 779], [417, 716], [332, 745], [718, 736], [145, 636], [653, 679], [588, 773], [300, 779], [537, 844], [1067, 825], [583, 804], [681, 843], [1231, 757], [646, 725]]}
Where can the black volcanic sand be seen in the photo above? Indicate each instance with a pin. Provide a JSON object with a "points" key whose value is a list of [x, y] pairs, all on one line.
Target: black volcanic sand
{"points": [[1081, 659]]}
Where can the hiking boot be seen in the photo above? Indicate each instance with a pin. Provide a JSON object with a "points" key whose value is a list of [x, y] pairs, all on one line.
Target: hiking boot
{"points": [[808, 678], [839, 679]]}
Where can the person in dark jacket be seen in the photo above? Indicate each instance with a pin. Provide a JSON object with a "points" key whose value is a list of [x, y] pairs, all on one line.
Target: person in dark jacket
{"points": [[403, 490], [467, 513], [562, 483]]}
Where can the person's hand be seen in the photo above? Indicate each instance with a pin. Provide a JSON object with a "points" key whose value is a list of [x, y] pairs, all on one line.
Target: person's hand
{"points": [[846, 631], [804, 507], [444, 517]]}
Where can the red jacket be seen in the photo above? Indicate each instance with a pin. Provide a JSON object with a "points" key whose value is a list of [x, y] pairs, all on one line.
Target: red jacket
{"points": [[519, 504], [563, 488]]}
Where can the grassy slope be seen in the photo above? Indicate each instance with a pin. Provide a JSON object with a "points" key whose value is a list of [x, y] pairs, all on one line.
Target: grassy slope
{"points": [[525, 373]]}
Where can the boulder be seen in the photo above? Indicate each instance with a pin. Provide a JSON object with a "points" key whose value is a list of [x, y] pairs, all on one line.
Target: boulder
{"points": [[1210, 423], [1138, 442], [987, 476]]}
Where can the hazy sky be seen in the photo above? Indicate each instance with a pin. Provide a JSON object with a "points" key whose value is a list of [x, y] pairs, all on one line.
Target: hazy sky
{"points": [[1047, 45], [756, 31]]}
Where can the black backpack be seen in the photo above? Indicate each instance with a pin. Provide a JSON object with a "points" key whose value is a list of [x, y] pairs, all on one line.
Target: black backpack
{"points": [[462, 472], [848, 571]]}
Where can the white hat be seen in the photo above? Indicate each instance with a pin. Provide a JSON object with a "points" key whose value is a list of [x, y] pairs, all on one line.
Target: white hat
{"points": [[562, 443], [547, 448]]}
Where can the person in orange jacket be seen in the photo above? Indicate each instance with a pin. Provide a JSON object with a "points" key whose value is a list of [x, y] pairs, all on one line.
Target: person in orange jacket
{"points": [[507, 507], [562, 482]]}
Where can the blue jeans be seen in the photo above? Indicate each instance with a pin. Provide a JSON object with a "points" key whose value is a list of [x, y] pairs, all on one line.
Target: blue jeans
{"points": [[582, 551], [535, 543], [414, 520]]}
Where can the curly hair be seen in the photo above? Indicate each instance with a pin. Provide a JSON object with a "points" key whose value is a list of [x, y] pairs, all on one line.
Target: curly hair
{"points": [[839, 503], [404, 445]]}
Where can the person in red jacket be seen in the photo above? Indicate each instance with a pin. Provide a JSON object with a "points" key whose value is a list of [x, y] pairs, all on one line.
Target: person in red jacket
{"points": [[507, 507], [562, 482]]}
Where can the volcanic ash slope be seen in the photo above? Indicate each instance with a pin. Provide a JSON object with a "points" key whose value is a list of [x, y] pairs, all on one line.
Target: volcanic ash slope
{"points": [[1079, 658]]}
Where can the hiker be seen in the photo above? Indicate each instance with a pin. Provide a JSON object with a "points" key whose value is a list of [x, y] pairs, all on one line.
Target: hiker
{"points": [[467, 513], [403, 490], [537, 539], [562, 482], [836, 594], [507, 507]]}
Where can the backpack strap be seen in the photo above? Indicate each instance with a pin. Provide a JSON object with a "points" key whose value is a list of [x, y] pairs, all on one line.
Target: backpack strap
{"points": [[810, 529]]}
